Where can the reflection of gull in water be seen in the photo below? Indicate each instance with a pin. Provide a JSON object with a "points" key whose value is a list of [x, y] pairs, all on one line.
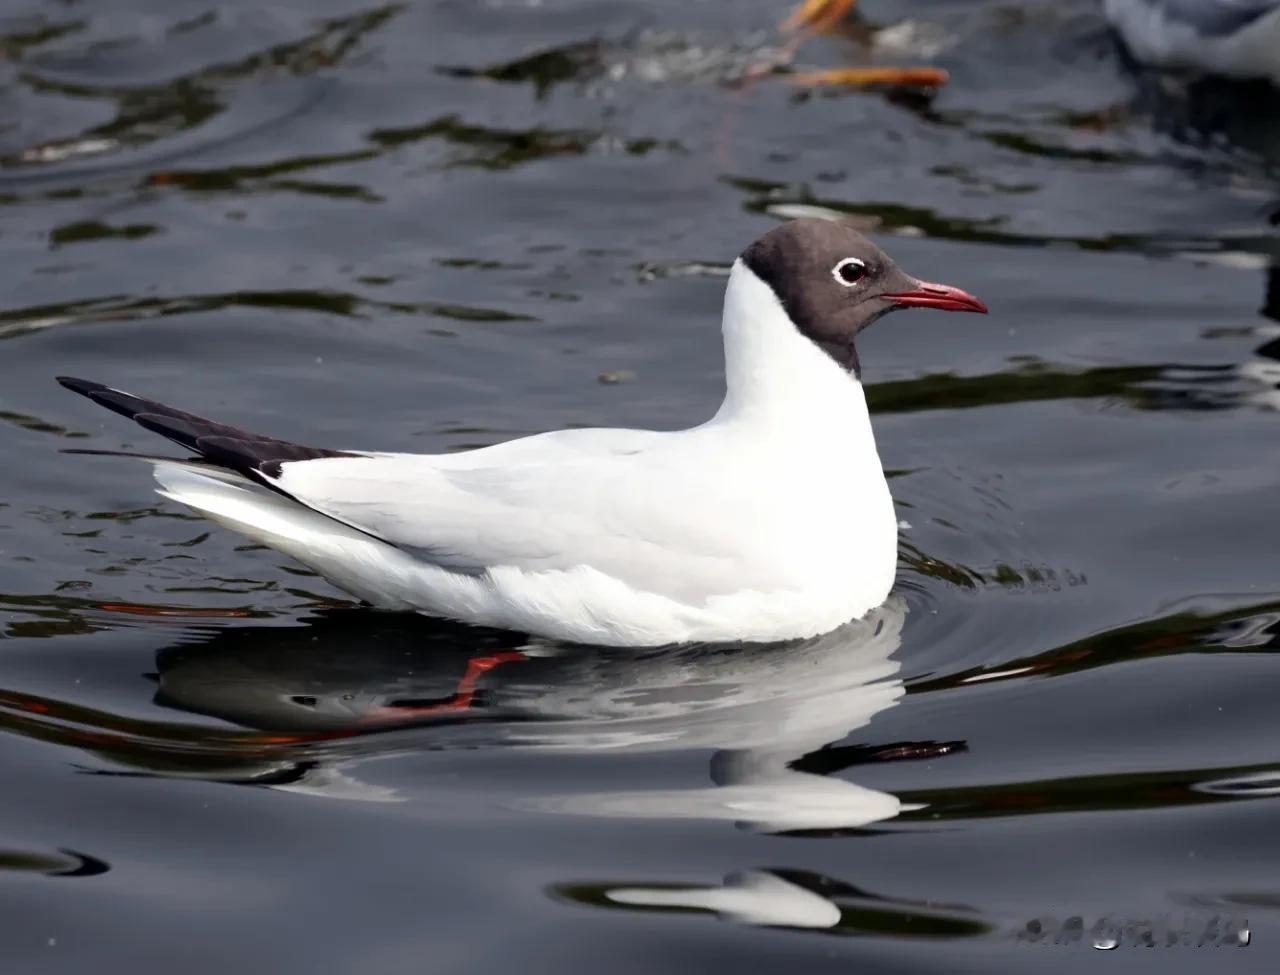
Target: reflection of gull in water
{"points": [[334, 782], [763, 712], [785, 897], [762, 709], [1261, 372], [748, 897], [772, 800]]}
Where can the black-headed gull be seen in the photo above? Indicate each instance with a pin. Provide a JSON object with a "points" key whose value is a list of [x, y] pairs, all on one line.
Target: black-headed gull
{"points": [[1232, 38], [770, 521]]}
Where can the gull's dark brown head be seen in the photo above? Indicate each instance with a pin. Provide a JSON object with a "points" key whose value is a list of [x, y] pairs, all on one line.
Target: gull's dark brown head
{"points": [[833, 282]]}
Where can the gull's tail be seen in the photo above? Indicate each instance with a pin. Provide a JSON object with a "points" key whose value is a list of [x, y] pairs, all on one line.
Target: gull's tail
{"points": [[217, 443], [229, 483]]}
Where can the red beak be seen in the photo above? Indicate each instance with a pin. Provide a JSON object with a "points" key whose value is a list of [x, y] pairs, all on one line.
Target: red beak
{"points": [[941, 296]]}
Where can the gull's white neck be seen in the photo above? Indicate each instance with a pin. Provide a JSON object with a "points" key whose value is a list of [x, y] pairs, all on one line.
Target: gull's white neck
{"points": [[778, 380]]}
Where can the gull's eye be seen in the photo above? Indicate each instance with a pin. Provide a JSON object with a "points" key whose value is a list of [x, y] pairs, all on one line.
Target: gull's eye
{"points": [[849, 271]]}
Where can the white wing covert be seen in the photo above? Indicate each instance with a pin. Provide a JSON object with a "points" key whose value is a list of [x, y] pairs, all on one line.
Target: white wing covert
{"points": [[577, 498]]}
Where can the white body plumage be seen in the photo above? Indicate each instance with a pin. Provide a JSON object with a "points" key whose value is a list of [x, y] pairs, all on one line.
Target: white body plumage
{"points": [[770, 521]]}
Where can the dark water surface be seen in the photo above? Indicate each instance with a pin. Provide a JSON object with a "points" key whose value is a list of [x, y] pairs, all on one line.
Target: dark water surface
{"points": [[437, 225]]}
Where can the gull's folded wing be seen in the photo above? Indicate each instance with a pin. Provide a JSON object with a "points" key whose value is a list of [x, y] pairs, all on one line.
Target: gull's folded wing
{"points": [[619, 502]]}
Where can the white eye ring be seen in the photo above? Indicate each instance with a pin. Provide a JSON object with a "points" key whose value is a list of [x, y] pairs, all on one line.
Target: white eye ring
{"points": [[849, 271]]}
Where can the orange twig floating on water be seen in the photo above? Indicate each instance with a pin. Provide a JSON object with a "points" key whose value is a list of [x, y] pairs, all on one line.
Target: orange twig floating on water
{"points": [[823, 16], [873, 77]]}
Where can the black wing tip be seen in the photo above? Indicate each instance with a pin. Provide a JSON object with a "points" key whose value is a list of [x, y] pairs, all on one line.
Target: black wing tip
{"points": [[168, 426], [84, 387], [126, 404], [261, 458], [88, 452]]}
